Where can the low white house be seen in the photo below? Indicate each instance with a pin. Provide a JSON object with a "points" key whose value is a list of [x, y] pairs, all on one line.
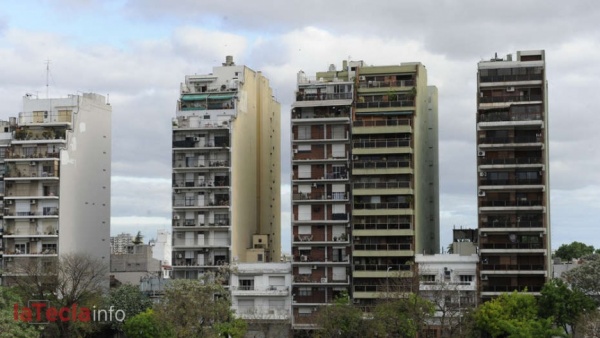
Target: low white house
{"points": [[450, 282], [261, 294]]}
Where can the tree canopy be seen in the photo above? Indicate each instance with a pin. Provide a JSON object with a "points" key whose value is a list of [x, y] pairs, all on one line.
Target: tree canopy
{"points": [[586, 277], [563, 304], [568, 252], [513, 315]]}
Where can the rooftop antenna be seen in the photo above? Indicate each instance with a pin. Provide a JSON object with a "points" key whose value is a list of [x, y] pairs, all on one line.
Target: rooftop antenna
{"points": [[47, 75]]}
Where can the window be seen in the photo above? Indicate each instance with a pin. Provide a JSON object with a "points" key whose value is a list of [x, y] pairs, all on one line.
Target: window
{"points": [[304, 291], [428, 278], [247, 284], [259, 257], [49, 248], [466, 278]]}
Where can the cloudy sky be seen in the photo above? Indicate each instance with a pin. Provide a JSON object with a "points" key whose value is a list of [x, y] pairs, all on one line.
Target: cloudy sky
{"points": [[138, 51]]}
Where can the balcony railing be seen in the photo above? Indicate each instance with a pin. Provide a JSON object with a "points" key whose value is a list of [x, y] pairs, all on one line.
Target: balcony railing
{"points": [[512, 245], [383, 247], [380, 164], [510, 288], [381, 123], [386, 84], [385, 205], [385, 104], [513, 181], [381, 185], [510, 98], [506, 116], [203, 183], [511, 224], [512, 160], [381, 143], [513, 267], [505, 203], [382, 226], [193, 202], [319, 196], [511, 78], [382, 267], [300, 96], [516, 139]]}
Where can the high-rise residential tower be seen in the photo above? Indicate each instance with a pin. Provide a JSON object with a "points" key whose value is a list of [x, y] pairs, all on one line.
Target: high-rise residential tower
{"points": [[364, 185], [57, 166], [513, 174], [226, 171]]}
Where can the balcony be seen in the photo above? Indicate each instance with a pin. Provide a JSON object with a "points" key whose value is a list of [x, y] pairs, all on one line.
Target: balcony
{"points": [[382, 250], [506, 224], [196, 203], [328, 117], [511, 78], [510, 99], [497, 205], [382, 270], [320, 197], [381, 167], [383, 205], [309, 280], [489, 163], [385, 104], [206, 183], [511, 288], [382, 229], [382, 188], [328, 176], [490, 268], [381, 146], [201, 123], [47, 118], [512, 181], [527, 141], [301, 96], [320, 239], [385, 84], [381, 126], [254, 291]]}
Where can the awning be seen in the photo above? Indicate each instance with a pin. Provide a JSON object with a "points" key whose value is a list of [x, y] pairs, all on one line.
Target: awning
{"points": [[199, 97]]}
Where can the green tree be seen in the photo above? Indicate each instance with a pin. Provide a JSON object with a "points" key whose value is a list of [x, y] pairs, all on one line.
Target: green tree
{"points": [[130, 299], [564, 305], [147, 325], [139, 239], [586, 277], [567, 252], [194, 307], [74, 279], [341, 319], [9, 327], [402, 317], [513, 315]]}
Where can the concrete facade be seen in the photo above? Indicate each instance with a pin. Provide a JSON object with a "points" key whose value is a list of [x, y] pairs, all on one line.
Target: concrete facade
{"points": [[365, 182], [513, 177], [57, 181], [226, 171]]}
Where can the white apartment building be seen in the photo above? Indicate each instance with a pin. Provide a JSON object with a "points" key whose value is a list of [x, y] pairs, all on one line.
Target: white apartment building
{"points": [[226, 171], [161, 250], [57, 171], [120, 243], [260, 294]]}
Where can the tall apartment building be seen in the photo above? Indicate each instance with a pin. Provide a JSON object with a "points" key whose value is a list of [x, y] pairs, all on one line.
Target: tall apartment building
{"points": [[56, 181], [365, 182], [120, 243], [513, 174], [226, 171]]}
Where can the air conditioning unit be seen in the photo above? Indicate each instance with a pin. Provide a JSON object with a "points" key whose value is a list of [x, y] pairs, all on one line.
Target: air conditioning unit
{"points": [[33, 163], [484, 277], [484, 261], [362, 78], [33, 201], [32, 220], [314, 267], [303, 258], [176, 217], [8, 202], [480, 153], [324, 280], [510, 89], [196, 139], [482, 173], [295, 151], [355, 301], [481, 193]]}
